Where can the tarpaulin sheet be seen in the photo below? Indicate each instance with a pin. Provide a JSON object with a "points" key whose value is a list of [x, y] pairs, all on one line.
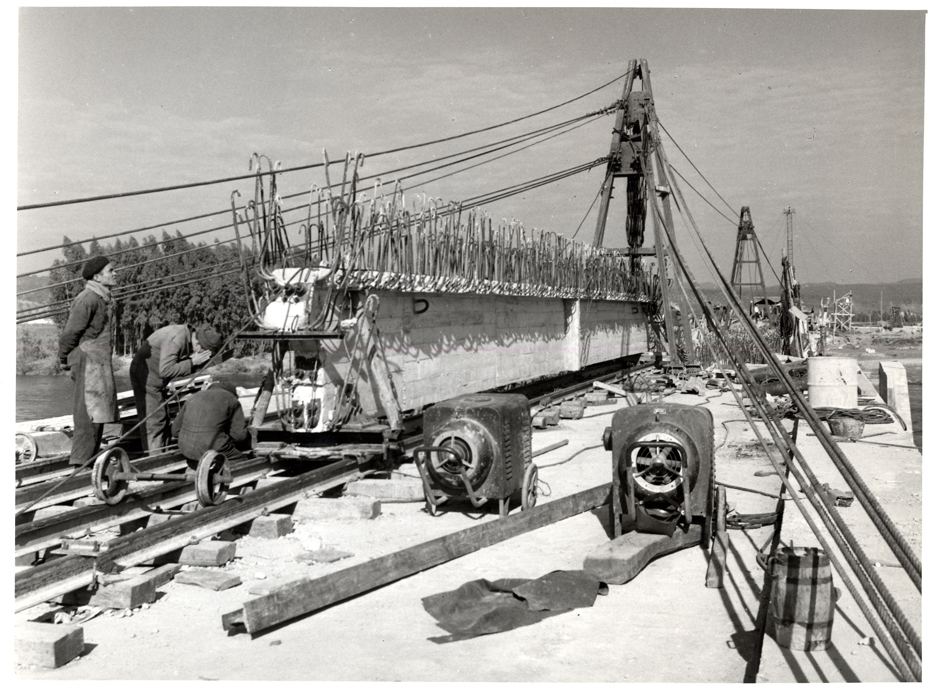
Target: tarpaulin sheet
{"points": [[482, 607]]}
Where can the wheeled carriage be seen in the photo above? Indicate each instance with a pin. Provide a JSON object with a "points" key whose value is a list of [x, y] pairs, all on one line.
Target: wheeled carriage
{"points": [[112, 474]]}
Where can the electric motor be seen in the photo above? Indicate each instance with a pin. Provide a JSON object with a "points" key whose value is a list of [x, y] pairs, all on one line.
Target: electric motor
{"points": [[485, 437], [662, 467]]}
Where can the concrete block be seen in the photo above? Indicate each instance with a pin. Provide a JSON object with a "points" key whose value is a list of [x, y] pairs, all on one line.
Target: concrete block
{"points": [[339, 508], [271, 526], [208, 554], [573, 410], [88, 502], [208, 579], [894, 390], [402, 489], [128, 594], [47, 645], [164, 574]]}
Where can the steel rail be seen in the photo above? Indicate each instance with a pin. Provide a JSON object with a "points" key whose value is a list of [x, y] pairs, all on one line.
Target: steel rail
{"points": [[50, 580], [45, 533], [80, 485]]}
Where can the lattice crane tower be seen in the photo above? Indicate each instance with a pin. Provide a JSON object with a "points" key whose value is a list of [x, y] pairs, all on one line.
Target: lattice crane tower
{"points": [[746, 268]]}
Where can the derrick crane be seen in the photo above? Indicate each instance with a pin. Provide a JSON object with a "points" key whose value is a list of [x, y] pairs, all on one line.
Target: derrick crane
{"points": [[633, 147], [746, 254]]}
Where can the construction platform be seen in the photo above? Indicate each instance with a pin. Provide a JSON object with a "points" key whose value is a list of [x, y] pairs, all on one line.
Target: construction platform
{"points": [[663, 626]]}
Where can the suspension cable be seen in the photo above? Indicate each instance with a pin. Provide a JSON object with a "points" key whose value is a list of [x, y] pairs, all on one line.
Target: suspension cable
{"points": [[229, 179]]}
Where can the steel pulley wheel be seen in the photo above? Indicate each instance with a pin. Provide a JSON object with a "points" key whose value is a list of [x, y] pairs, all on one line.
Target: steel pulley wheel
{"points": [[26, 449], [213, 479], [530, 492], [107, 486]]}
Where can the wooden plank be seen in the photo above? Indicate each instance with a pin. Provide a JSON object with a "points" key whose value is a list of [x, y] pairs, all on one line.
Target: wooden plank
{"points": [[303, 596], [51, 579], [612, 388]]}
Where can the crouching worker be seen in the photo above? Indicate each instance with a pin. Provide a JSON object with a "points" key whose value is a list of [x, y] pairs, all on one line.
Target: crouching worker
{"points": [[171, 352], [211, 419]]}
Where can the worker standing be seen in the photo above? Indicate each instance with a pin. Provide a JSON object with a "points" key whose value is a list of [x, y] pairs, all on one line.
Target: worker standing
{"points": [[85, 349], [211, 419], [171, 352]]}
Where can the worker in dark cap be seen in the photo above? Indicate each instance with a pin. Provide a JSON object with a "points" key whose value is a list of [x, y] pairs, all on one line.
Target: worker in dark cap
{"points": [[84, 348], [171, 352], [211, 419]]}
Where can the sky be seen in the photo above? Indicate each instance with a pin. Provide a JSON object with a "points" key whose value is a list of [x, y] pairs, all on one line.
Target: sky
{"points": [[819, 111]]}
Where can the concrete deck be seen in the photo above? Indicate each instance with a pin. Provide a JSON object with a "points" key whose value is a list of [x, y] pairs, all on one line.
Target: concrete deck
{"points": [[663, 626]]}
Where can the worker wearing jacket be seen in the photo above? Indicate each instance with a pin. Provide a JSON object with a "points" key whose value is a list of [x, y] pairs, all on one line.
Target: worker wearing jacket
{"points": [[171, 352], [211, 419], [84, 348]]}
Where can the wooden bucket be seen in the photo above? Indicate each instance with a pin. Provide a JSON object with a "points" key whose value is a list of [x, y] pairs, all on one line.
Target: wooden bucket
{"points": [[802, 599]]}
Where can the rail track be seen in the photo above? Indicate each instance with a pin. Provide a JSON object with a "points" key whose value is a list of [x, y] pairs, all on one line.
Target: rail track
{"points": [[68, 563]]}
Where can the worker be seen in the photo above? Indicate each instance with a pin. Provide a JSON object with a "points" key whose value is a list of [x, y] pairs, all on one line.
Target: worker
{"points": [[85, 350], [171, 352], [211, 419]]}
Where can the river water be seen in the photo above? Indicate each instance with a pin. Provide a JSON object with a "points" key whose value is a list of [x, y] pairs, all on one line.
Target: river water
{"points": [[40, 397]]}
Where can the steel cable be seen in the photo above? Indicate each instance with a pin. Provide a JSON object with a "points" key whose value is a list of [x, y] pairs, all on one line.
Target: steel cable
{"points": [[846, 542]]}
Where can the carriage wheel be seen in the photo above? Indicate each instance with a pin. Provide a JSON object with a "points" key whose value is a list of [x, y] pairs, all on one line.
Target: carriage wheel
{"points": [[107, 486], [26, 449], [213, 479], [530, 492]]}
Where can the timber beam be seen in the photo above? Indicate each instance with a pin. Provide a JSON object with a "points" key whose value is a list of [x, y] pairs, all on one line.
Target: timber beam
{"points": [[303, 596]]}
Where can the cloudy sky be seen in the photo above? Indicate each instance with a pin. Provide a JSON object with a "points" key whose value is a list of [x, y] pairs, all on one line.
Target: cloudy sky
{"points": [[822, 111]]}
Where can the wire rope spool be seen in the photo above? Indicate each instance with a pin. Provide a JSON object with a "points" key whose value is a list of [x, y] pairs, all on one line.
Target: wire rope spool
{"points": [[26, 448], [530, 491], [110, 475], [213, 478]]}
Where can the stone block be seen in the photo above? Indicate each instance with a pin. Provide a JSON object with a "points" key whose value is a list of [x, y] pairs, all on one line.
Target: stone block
{"points": [[47, 645], [208, 554], [271, 526], [402, 489], [317, 508], [127, 594]]}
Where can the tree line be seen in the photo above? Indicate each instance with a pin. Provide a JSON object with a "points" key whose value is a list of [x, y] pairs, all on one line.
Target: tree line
{"points": [[161, 283]]}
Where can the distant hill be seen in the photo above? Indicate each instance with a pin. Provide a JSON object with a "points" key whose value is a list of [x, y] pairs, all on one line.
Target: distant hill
{"points": [[32, 282]]}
